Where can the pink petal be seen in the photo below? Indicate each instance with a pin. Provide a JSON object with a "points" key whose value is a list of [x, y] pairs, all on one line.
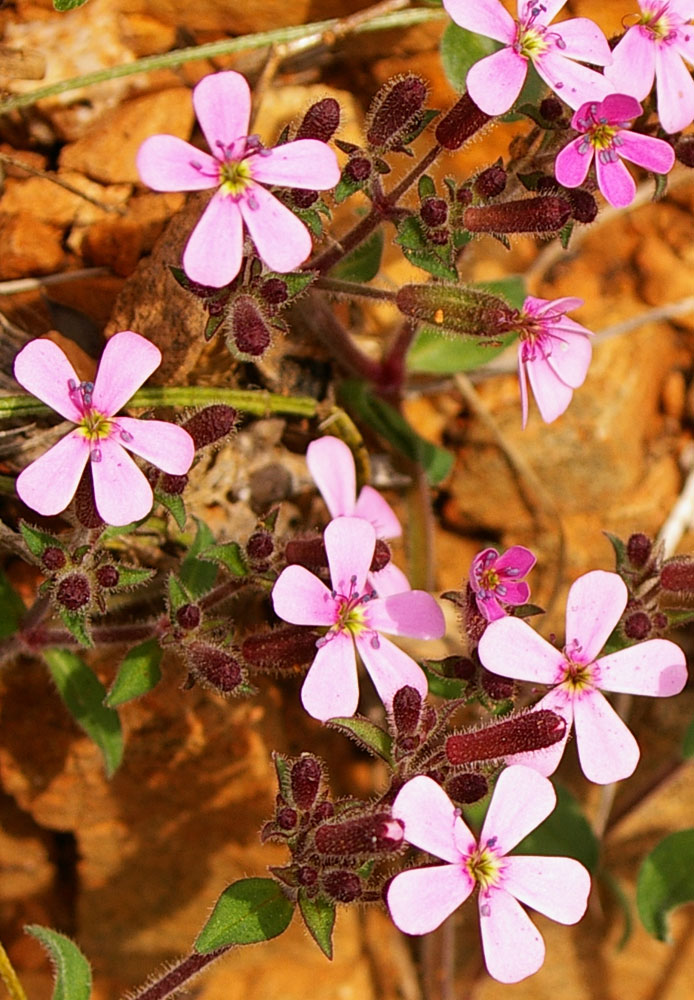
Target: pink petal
{"points": [[574, 83], [546, 761], [517, 557], [541, 307], [389, 580], [371, 506], [593, 608], [432, 823], [571, 166], [301, 598], [282, 240], [305, 163], [552, 395], [420, 899], [214, 250], [684, 8], [522, 799], [490, 608], [619, 108], [606, 749], [331, 687], [168, 446], [615, 182], [484, 17], [674, 89], [548, 10], [222, 103], [633, 64], [571, 354], [48, 484], [350, 543], [646, 151], [127, 361], [522, 385], [583, 40], [331, 464], [657, 668], [413, 613], [43, 370], [516, 593], [511, 648], [390, 668], [557, 887], [495, 82], [513, 947], [121, 492], [167, 163]]}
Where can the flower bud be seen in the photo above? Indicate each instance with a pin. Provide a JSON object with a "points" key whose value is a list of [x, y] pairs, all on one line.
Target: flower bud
{"points": [[85, 506], [358, 169], [274, 291], [434, 212], [321, 121], [53, 558], [497, 688], [551, 109], [378, 833], [260, 546], [460, 123], [188, 616], [407, 705], [584, 207], [519, 734], [306, 779], [639, 548], [545, 214], [677, 575], [637, 625], [490, 182], [210, 424], [214, 667], [458, 309], [173, 485], [468, 787], [307, 876], [324, 810], [381, 556], [107, 576], [303, 198], [395, 111], [280, 649], [342, 886], [287, 818], [684, 150], [73, 592], [248, 330]]}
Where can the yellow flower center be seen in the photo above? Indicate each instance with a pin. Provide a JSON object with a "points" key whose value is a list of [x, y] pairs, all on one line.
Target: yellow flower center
{"points": [[234, 177], [485, 866]]}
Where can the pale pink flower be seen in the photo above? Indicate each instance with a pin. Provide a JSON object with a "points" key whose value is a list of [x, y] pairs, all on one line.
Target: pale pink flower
{"points": [[496, 580], [420, 899], [495, 82], [656, 47], [605, 136], [606, 749], [239, 167], [554, 353], [331, 463], [121, 491], [353, 617]]}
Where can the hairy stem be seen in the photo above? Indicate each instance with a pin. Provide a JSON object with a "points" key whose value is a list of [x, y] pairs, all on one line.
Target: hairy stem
{"points": [[353, 289], [176, 977]]}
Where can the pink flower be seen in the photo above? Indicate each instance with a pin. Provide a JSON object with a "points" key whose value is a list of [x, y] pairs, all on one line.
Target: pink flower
{"points": [[331, 463], [238, 167], [495, 579], [656, 47], [606, 748], [121, 492], [420, 899], [353, 616], [495, 82], [553, 352]]}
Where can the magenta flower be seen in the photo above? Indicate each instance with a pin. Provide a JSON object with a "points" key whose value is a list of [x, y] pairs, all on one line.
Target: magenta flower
{"points": [[553, 352], [495, 82], [121, 491], [605, 135], [353, 616], [331, 463], [606, 749], [420, 899], [656, 47], [238, 167], [496, 579]]}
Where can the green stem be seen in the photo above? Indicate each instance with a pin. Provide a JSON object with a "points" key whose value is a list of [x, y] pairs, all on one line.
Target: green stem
{"points": [[263, 39], [353, 289]]}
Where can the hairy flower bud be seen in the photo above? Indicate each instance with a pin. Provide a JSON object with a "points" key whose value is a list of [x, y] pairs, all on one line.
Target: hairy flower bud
{"points": [[53, 558], [490, 182], [274, 291], [434, 211], [307, 876], [358, 169], [407, 706], [551, 108], [639, 548], [280, 649], [188, 616], [677, 575], [460, 123], [311, 553], [457, 309], [85, 506], [324, 810], [248, 330], [107, 576], [73, 592], [467, 787], [306, 779], [637, 625], [260, 546], [173, 485], [584, 207], [519, 734], [497, 688], [342, 886], [287, 818], [210, 424], [303, 198], [684, 150], [321, 121], [214, 667], [395, 111], [365, 836], [545, 214]]}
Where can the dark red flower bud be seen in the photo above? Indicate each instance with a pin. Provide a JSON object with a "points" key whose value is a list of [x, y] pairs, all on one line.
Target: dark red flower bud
{"points": [[639, 548], [551, 109], [684, 150], [660, 622], [381, 556], [280, 649], [395, 111], [324, 810], [321, 121], [307, 876], [343, 887], [460, 123], [545, 214], [365, 836], [53, 558], [248, 329], [498, 688], [407, 706], [188, 616], [463, 195], [107, 576], [490, 182], [209, 425], [438, 237], [584, 207], [85, 507], [306, 779], [467, 787], [73, 592], [274, 291], [677, 574], [519, 734], [215, 667], [302, 198], [434, 212], [358, 169], [637, 625], [287, 818], [260, 546], [173, 485]]}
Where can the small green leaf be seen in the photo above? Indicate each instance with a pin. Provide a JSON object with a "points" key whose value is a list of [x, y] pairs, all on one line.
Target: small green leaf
{"points": [[426, 187], [438, 353], [197, 575], [138, 673], [346, 187], [38, 541], [11, 608], [420, 252], [666, 881], [319, 917], [211, 326], [620, 549], [229, 555], [64, 5], [296, 281], [688, 742], [177, 594], [461, 49], [442, 686], [364, 262], [73, 976], [174, 504], [311, 220], [83, 694], [130, 577], [284, 778], [368, 735], [77, 625], [565, 833], [248, 911]]}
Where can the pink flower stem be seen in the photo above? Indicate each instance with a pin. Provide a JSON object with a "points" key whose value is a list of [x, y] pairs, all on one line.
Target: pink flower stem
{"points": [[174, 978]]}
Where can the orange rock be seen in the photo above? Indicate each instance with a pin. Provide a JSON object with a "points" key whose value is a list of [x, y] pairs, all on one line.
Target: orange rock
{"points": [[28, 247]]}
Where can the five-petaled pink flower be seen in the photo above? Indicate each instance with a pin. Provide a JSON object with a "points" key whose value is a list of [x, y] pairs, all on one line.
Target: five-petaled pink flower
{"points": [[121, 491], [238, 167], [607, 750], [655, 47], [420, 899], [331, 463], [496, 580], [554, 353], [353, 616], [495, 82], [605, 135]]}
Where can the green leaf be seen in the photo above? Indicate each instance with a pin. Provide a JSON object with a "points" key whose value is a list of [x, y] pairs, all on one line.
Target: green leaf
{"points": [[438, 353], [11, 608], [311, 219], [138, 673], [620, 549], [38, 541], [211, 326], [228, 554], [420, 252], [565, 833], [296, 281], [196, 574], [364, 262], [688, 742], [426, 187], [130, 577], [83, 694], [76, 624], [347, 186], [248, 911], [380, 416], [666, 881], [368, 735], [68, 4], [178, 596], [319, 917], [442, 686], [73, 976], [173, 502], [461, 49]]}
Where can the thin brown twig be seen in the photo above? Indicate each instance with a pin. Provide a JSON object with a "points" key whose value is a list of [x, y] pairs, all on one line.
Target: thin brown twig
{"points": [[54, 179]]}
